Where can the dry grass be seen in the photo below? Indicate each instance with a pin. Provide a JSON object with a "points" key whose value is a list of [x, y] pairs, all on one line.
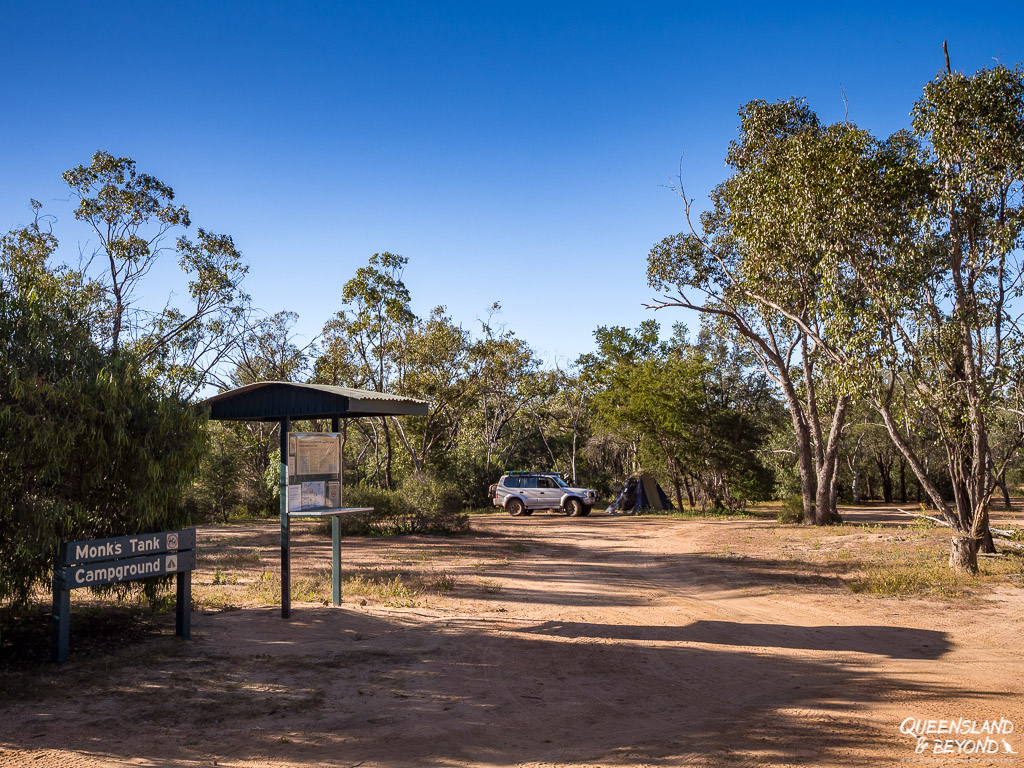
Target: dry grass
{"points": [[922, 573]]}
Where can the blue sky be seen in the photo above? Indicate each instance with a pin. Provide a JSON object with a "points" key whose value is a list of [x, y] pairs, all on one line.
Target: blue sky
{"points": [[514, 152]]}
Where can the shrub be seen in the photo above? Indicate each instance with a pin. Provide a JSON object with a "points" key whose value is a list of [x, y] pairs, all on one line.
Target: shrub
{"points": [[438, 506], [421, 506], [93, 448], [792, 510]]}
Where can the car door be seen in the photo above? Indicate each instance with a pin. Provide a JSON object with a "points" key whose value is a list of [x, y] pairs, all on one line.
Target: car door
{"points": [[530, 492], [548, 493]]}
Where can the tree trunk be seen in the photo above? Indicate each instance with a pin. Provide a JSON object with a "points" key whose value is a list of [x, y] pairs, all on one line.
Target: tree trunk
{"points": [[823, 500], [855, 487], [986, 544], [689, 492], [387, 453], [573, 465], [885, 475], [829, 467], [804, 449], [963, 554], [903, 480], [1001, 482]]}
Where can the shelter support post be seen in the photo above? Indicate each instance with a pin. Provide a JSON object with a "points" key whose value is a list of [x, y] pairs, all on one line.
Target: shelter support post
{"points": [[336, 560], [286, 579], [336, 525]]}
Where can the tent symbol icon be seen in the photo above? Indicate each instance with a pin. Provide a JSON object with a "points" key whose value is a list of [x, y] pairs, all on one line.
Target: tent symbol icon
{"points": [[171, 564]]}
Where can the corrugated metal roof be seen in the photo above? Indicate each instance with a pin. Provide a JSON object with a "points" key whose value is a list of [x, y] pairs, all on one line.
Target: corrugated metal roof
{"points": [[275, 400]]}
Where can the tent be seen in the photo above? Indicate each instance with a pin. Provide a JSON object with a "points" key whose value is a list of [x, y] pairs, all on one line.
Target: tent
{"points": [[640, 493]]}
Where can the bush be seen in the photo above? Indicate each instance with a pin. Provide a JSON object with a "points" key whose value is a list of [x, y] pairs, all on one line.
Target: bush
{"points": [[438, 506], [421, 506], [93, 448], [792, 510]]}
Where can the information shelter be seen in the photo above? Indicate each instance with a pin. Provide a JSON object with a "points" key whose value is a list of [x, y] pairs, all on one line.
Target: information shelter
{"points": [[311, 462], [314, 468]]}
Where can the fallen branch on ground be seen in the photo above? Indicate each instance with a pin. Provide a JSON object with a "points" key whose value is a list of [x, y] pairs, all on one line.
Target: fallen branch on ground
{"points": [[926, 517], [1001, 534]]}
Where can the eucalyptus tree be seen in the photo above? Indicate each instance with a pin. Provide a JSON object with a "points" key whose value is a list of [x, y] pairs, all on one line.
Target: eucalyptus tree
{"points": [[917, 286], [132, 216], [568, 413], [688, 412], [758, 264], [507, 372], [364, 342], [268, 349], [618, 350], [436, 365], [943, 320]]}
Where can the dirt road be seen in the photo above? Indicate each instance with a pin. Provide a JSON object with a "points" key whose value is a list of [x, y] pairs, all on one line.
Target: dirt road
{"points": [[599, 642]]}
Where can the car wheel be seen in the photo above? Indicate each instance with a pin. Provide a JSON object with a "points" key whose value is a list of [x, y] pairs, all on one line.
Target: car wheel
{"points": [[574, 508], [515, 507]]}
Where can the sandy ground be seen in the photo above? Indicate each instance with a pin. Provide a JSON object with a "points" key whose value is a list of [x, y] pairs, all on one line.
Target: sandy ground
{"points": [[604, 641]]}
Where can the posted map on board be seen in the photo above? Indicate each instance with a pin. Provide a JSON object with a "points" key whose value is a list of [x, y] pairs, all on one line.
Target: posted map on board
{"points": [[313, 494]]}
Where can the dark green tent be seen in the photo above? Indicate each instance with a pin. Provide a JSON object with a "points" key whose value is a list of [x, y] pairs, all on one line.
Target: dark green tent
{"points": [[640, 494]]}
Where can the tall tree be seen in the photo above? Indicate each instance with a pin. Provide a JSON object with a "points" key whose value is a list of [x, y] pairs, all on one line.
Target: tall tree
{"points": [[508, 385], [757, 266], [943, 321], [132, 215], [364, 342], [435, 365]]}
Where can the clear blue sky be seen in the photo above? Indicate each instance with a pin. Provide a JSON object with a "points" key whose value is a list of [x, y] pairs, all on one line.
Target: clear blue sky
{"points": [[514, 152]]}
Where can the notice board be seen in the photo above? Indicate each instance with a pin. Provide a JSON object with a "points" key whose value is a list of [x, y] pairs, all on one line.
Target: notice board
{"points": [[314, 470]]}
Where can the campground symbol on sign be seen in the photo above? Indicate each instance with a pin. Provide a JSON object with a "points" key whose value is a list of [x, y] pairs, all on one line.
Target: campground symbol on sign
{"points": [[124, 558]]}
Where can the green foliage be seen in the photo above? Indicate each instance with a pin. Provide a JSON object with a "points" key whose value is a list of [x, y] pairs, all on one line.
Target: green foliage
{"points": [[421, 506], [94, 447], [438, 504], [219, 489], [130, 214], [791, 511], [693, 414]]}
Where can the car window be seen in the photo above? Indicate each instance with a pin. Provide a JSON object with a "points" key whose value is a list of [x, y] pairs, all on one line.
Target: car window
{"points": [[528, 482], [559, 482], [511, 482], [544, 482]]}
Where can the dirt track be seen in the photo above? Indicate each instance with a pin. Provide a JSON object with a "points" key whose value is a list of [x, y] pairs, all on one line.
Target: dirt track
{"points": [[604, 641]]}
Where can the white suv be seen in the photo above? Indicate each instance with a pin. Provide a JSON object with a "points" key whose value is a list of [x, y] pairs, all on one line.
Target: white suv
{"points": [[523, 492]]}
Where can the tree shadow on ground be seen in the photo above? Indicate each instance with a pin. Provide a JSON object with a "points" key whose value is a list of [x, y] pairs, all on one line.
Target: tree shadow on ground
{"points": [[894, 642], [341, 686]]}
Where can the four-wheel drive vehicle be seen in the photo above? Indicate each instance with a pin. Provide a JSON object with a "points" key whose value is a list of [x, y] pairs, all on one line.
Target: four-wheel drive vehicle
{"points": [[523, 492]]}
